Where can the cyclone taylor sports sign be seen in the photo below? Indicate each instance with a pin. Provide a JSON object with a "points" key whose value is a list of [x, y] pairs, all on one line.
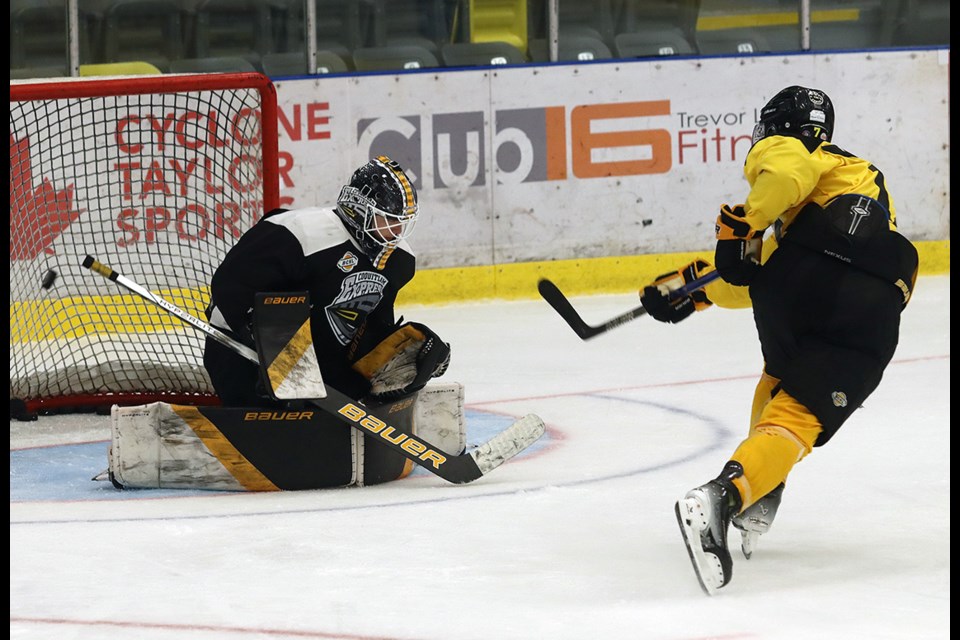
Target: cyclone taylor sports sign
{"points": [[177, 167]]}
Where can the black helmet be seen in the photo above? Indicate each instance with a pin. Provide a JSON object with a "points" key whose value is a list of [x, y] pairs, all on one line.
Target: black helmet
{"points": [[798, 112], [379, 207]]}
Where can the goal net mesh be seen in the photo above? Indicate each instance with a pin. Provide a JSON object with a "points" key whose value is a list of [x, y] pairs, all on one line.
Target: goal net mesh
{"points": [[154, 176]]}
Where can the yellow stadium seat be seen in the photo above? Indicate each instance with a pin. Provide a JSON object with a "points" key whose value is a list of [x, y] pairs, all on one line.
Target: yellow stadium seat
{"points": [[499, 21], [132, 68]]}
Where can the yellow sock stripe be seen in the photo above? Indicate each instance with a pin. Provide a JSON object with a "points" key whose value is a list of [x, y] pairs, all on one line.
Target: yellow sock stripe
{"points": [[290, 355], [233, 461]]}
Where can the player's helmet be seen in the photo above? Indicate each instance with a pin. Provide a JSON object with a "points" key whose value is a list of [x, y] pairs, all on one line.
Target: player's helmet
{"points": [[798, 112], [379, 207]]}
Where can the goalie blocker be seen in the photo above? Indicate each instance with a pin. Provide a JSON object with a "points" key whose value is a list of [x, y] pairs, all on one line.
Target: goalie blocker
{"points": [[163, 446]]}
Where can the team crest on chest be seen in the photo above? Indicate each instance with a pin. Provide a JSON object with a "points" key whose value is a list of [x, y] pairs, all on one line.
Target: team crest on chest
{"points": [[360, 293], [347, 262]]}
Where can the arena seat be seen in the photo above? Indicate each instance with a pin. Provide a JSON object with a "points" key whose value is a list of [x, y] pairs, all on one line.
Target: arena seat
{"points": [[393, 58], [480, 54]]}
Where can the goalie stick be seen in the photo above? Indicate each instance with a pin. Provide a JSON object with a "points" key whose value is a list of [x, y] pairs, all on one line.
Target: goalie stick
{"points": [[458, 469], [552, 294]]}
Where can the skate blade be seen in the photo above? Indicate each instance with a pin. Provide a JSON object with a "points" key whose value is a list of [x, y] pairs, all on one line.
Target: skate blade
{"points": [[748, 542], [708, 570]]}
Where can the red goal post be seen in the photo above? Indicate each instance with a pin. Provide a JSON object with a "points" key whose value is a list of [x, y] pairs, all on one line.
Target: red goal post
{"points": [[155, 175]]}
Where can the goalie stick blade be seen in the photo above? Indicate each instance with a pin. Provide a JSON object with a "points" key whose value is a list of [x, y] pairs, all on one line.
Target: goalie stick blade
{"points": [[508, 443]]}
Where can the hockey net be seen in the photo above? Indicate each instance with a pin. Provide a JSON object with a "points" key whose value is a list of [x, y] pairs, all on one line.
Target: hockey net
{"points": [[156, 176]]}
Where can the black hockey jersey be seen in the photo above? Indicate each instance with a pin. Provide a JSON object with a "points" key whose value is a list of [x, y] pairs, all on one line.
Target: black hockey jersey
{"points": [[309, 249]]}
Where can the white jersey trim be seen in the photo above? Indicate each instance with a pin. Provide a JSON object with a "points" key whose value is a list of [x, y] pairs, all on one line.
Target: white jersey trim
{"points": [[318, 228]]}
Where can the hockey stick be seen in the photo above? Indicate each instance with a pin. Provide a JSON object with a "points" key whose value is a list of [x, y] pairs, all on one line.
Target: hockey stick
{"points": [[458, 469], [552, 294]]}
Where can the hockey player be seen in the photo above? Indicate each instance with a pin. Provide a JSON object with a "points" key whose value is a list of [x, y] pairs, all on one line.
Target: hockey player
{"points": [[352, 258], [827, 285]]}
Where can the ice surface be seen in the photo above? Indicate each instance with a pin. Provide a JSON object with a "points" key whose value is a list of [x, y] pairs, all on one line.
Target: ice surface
{"points": [[573, 540]]}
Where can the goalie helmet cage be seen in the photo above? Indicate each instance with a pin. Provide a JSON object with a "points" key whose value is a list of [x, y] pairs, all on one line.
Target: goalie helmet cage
{"points": [[158, 175]]}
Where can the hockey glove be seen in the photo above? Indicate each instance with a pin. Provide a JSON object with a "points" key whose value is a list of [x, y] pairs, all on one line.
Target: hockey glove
{"points": [[655, 297], [404, 361], [737, 256]]}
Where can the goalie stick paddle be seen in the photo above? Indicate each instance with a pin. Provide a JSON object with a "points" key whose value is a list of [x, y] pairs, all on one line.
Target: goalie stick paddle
{"points": [[458, 469], [552, 294]]}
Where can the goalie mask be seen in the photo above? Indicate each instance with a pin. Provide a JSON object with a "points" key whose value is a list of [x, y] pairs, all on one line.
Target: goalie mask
{"points": [[379, 207], [798, 112]]}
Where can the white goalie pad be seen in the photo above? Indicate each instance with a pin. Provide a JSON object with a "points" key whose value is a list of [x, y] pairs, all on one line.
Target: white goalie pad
{"points": [[152, 447], [438, 417]]}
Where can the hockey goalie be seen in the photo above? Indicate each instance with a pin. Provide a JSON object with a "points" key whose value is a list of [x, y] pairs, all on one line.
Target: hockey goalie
{"points": [[312, 291]]}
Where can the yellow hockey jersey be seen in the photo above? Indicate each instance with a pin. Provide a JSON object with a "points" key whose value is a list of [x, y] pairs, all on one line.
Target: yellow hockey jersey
{"points": [[785, 174]]}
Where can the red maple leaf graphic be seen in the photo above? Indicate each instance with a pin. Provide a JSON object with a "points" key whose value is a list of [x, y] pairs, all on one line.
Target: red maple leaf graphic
{"points": [[38, 215]]}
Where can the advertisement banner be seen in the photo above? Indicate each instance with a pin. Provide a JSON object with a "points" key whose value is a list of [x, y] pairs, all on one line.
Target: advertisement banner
{"points": [[612, 158]]}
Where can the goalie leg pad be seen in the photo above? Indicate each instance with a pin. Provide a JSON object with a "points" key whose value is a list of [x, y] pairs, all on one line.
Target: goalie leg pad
{"points": [[162, 446], [439, 418], [152, 447], [435, 413]]}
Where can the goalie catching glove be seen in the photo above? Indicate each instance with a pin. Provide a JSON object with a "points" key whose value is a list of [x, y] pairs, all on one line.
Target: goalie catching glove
{"points": [[656, 297], [403, 362], [738, 250]]}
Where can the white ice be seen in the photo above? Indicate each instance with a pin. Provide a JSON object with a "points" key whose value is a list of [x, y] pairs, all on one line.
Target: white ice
{"points": [[574, 541]]}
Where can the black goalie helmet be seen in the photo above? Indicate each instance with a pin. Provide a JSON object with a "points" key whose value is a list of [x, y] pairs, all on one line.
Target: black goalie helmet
{"points": [[379, 207], [796, 111]]}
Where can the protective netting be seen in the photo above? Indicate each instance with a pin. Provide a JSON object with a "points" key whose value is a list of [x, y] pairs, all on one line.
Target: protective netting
{"points": [[155, 177]]}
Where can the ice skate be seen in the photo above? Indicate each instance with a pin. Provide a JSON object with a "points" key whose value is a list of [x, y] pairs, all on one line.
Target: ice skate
{"points": [[756, 520], [704, 516]]}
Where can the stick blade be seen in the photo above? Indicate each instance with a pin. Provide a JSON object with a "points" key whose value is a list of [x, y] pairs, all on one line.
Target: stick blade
{"points": [[508, 443], [556, 299]]}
